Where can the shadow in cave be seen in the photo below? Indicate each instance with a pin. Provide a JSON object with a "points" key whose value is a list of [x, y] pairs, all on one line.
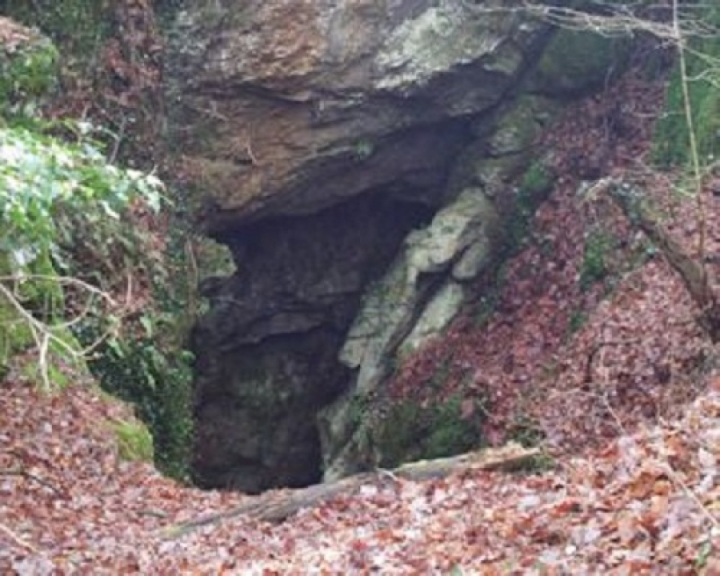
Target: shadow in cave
{"points": [[267, 349]]}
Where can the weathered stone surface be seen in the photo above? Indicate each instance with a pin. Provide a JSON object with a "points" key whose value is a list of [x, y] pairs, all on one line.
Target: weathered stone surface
{"points": [[290, 107], [404, 310], [435, 318], [503, 146], [517, 130]]}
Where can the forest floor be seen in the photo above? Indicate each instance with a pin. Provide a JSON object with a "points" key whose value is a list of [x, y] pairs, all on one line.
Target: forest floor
{"points": [[591, 344]]}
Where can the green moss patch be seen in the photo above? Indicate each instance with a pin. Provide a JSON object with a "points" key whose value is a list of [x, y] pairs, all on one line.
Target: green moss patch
{"points": [[579, 61], [534, 187], [671, 142], [595, 268], [77, 25], [134, 440], [415, 432], [27, 72]]}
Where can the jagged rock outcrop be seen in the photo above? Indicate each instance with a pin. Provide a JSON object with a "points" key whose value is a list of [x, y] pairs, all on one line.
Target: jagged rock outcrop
{"points": [[354, 156], [291, 107]]}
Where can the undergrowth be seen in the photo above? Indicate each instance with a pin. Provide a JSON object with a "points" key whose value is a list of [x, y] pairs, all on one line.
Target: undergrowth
{"points": [[671, 142], [412, 431], [89, 278]]}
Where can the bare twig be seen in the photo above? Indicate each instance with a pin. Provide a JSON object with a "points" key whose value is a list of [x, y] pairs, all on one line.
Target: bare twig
{"points": [[694, 152], [612, 21], [41, 333], [17, 539], [30, 476], [47, 336], [62, 280]]}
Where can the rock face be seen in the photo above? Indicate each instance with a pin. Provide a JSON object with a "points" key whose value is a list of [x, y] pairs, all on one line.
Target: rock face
{"points": [[426, 276], [267, 350], [354, 156], [291, 107]]}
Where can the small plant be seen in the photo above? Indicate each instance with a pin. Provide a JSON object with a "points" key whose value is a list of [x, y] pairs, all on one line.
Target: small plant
{"points": [[364, 149], [703, 555], [357, 409], [536, 183], [486, 306], [133, 440], [594, 265], [534, 187], [526, 432], [577, 320], [485, 309], [450, 433], [143, 369], [537, 465]]}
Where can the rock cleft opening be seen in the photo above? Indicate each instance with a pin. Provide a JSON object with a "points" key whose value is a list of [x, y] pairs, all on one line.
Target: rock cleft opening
{"points": [[267, 350]]}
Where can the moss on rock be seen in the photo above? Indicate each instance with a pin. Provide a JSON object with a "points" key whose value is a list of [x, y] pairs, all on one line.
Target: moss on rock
{"points": [[578, 61], [134, 441], [412, 431]]}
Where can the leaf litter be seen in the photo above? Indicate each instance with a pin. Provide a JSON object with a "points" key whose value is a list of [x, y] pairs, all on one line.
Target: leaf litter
{"points": [[615, 375]]}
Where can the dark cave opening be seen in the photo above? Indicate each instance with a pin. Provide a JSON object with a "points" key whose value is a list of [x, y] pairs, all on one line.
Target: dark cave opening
{"points": [[267, 350]]}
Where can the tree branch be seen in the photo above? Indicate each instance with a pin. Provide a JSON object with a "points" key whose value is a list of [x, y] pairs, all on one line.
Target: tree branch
{"points": [[693, 273], [277, 506]]}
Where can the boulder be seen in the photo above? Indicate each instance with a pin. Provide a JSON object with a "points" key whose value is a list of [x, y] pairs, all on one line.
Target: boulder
{"points": [[413, 303]]}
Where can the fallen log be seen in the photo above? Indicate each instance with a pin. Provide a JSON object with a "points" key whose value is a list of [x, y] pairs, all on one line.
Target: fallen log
{"points": [[277, 506], [693, 272]]}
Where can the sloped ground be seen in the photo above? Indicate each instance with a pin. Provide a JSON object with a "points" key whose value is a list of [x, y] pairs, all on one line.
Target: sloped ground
{"points": [[575, 359], [646, 503], [627, 399]]}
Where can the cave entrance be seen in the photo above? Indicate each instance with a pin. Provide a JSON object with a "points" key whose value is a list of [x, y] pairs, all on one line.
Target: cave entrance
{"points": [[268, 348]]}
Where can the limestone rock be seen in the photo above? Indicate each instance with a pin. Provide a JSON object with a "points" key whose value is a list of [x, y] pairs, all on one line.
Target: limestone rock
{"points": [[409, 306], [517, 130], [290, 107], [435, 318]]}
